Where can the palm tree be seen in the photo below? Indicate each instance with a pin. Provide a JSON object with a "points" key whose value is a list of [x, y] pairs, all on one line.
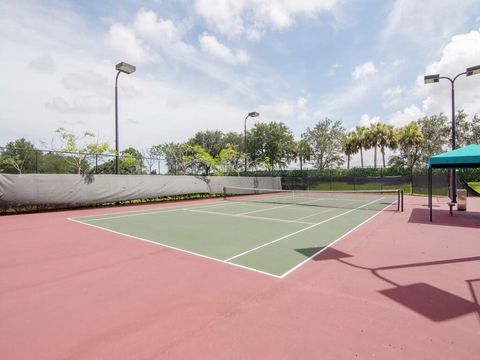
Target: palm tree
{"points": [[373, 135], [351, 146], [387, 139], [410, 144], [302, 151], [361, 133]]}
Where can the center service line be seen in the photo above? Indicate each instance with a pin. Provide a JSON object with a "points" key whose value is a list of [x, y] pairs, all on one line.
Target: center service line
{"points": [[302, 230]]}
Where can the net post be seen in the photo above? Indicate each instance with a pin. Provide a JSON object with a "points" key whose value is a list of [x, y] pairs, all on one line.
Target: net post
{"points": [[401, 196], [398, 200]]}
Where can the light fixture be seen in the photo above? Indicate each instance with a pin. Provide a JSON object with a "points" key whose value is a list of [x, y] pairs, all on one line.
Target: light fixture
{"points": [[474, 70], [125, 68], [429, 79]]}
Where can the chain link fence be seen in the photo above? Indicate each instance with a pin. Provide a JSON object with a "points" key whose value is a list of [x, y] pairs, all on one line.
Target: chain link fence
{"points": [[21, 161]]}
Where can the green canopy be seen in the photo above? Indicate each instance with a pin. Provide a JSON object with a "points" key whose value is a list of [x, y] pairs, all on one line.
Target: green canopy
{"points": [[467, 156]]}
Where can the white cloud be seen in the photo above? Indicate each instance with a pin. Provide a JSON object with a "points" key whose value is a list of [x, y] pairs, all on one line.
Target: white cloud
{"points": [[461, 52], [253, 17], [80, 104], [407, 115], [43, 63], [301, 101], [392, 96], [123, 40], [147, 25], [366, 120], [211, 45], [434, 20], [398, 62], [364, 70], [282, 108], [88, 80], [333, 70]]}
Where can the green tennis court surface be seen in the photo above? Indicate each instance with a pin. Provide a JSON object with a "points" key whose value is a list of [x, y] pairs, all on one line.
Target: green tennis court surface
{"points": [[264, 233]]}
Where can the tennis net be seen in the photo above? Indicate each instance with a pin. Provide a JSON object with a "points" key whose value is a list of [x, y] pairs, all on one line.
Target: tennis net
{"points": [[361, 199]]}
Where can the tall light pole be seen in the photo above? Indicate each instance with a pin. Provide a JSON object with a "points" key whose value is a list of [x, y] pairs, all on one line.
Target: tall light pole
{"points": [[127, 69], [252, 114], [429, 79]]}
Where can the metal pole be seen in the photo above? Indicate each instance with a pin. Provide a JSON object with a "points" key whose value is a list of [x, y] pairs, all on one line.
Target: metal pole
{"points": [[453, 184], [430, 192], [453, 171], [245, 142], [116, 125]]}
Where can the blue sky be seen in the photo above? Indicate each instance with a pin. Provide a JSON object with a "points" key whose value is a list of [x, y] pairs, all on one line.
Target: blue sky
{"points": [[205, 64]]}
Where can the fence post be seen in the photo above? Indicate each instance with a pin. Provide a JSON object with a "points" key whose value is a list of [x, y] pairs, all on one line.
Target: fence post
{"points": [[354, 179], [381, 178], [96, 163], [330, 178]]}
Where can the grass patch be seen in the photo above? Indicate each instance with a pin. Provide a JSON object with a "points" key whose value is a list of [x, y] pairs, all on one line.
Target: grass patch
{"points": [[475, 185]]}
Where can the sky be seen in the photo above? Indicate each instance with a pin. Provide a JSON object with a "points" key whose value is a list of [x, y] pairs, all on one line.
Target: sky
{"points": [[205, 64]]}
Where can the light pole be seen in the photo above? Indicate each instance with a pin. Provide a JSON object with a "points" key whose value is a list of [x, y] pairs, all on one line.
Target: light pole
{"points": [[127, 69], [252, 114], [429, 79]]}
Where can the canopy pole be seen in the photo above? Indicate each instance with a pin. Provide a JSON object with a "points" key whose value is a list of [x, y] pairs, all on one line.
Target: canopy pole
{"points": [[430, 191]]}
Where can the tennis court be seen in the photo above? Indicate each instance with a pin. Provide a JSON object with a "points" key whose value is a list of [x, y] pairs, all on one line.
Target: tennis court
{"points": [[268, 231]]}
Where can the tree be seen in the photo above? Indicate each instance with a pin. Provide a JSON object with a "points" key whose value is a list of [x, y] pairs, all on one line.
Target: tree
{"points": [[234, 139], [228, 161], [373, 135], [386, 139], [79, 152], [475, 134], [467, 132], [18, 156], [270, 145], [302, 151], [363, 143], [326, 140], [211, 141], [351, 146], [173, 154], [196, 159], [410, 143], [462, 129], [435, 131], [150, 158], [131, 161]]}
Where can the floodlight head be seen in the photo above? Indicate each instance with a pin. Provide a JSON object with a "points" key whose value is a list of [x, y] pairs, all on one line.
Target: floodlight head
{"points": [[125, 68], [429, 79], [253, 114], [474, 70]]}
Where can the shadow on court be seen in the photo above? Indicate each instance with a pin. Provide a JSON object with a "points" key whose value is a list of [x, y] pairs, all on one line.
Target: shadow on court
{"points": [[424, 299], [441, 216]]}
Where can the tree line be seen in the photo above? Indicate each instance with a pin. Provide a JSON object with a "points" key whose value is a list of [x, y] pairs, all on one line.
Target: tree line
{"points": [[269, 146]]}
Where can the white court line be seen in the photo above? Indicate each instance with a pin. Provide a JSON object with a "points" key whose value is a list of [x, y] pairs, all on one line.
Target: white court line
{"points": [[255, 211], [301, 230], [276, 207], [249, 217], [148, 212], [318, 213], [330, 244], [175, 248]]}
